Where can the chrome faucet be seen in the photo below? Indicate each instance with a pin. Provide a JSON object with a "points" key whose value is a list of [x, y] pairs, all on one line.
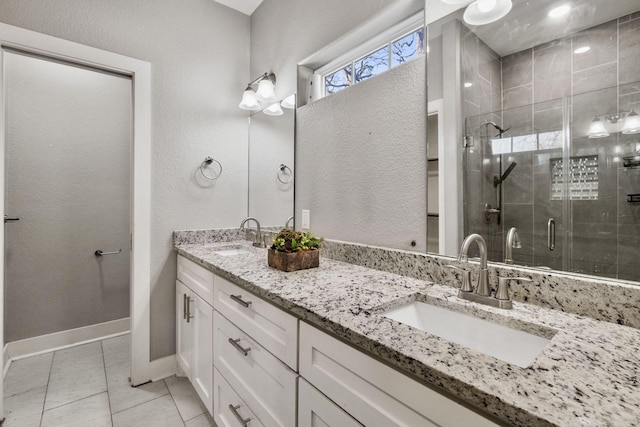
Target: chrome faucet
{"points": [[513, 241], [290, 219], [258, 243], [483, 278], [482, 293]]}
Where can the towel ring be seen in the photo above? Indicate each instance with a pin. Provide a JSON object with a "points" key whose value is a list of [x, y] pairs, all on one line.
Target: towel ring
{"points": [[207, 161], [285, 172]]}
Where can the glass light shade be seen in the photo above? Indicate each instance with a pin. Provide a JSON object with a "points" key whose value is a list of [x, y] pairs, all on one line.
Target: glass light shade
{"points": [[249, 101], [266, 91], [485, 6], [273, 110], [631, 124], [597, 129], [289, 101], [473, 15]]}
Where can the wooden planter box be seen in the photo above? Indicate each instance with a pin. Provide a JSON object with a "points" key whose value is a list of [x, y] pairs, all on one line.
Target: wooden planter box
{"points": [[294, 261]]}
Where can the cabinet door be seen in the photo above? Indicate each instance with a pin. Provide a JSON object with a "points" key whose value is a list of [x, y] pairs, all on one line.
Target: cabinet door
{"points": [[316, 410], [183, 330], [228, 408], [202, 350]]}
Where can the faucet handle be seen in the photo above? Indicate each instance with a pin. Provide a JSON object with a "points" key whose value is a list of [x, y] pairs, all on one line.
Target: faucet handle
{"points": [[503, 286], [466, 278]]}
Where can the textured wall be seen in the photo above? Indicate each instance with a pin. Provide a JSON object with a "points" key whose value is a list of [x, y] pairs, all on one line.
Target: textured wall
{"points": [[345, 170], [270, 145], [199, 54], [365, 152], [67, 162]]}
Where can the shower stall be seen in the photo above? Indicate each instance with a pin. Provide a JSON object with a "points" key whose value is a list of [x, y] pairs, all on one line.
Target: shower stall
{"points": [[552, 147], [568, 190]]}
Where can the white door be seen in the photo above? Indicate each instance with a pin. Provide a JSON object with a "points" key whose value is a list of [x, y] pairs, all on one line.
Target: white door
{"points": [[67, 179]]}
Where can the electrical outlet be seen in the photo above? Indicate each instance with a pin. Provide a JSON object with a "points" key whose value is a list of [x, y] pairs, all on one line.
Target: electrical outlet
{"points": [[305, 219]]}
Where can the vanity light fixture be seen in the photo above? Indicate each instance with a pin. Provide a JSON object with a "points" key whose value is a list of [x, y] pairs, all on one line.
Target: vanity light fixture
{"points": [[597, 129], [289, 101], [482, 12], [626, 122], [266, 92], [559, 11], [631, 124], [249, 100], [273, 110], [582, 49]]}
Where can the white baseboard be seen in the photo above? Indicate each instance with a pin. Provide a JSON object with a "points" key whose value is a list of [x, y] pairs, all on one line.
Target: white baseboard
{"points": [[59, 340]]}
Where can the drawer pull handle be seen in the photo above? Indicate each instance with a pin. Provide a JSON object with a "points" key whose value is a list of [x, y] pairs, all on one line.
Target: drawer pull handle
{"points": [[239, 300], [235, 343], [234, 410]]}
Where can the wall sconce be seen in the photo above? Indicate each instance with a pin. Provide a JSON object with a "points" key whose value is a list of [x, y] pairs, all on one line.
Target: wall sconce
{"points": [[266, 92], [482, 12], [273, 110], [629, 126]]}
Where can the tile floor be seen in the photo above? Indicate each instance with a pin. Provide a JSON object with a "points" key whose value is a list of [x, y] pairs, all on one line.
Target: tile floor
{"points": [[88, 386]]}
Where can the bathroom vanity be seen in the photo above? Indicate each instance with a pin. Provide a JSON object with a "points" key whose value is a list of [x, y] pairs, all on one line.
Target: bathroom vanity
{"points": [[298, 348]]}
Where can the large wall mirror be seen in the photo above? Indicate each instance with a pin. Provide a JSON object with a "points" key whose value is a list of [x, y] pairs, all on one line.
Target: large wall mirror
{"points": [[271, 169], [537, 129]]}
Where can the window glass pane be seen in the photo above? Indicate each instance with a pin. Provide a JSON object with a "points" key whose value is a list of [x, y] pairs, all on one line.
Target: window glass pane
{"points": [[525, 143], [372, 64], [501, 146], [549, 140], [407, 48], [338, 80]]}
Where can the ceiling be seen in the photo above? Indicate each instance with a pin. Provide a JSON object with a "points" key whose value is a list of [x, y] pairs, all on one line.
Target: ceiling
{"points": [[245, 6], [528, 23]]}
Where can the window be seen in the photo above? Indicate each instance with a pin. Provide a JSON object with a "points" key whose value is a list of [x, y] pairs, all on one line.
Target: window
{"points": [[398, 45]]}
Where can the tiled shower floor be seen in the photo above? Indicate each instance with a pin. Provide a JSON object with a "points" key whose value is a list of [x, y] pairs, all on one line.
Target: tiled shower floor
{"points": [[88, 386]]}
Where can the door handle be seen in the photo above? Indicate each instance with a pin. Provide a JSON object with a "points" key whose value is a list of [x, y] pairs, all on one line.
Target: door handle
{"points": [[189, 316], [184, 306], [551, 234], [7, 219]]}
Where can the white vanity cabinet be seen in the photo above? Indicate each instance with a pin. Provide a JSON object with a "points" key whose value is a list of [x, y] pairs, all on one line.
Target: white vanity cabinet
{"points": [[370, 391], [194, 330]]}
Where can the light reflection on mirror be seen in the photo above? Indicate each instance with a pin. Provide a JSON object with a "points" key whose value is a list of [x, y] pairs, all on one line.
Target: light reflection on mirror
{"points": [[271, 168], [521, 94]]}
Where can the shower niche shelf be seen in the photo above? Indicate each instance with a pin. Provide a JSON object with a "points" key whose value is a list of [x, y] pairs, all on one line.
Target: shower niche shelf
{"points": [[582, 178]]}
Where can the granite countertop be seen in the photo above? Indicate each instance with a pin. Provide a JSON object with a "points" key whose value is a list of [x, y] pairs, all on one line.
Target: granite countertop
{"points": [[587, 375]]}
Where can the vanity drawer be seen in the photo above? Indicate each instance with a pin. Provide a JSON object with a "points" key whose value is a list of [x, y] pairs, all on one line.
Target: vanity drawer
{"points": [[370, 391], [197, 278], [315, 409], [266, 384], [274, 329], [228, 409]]}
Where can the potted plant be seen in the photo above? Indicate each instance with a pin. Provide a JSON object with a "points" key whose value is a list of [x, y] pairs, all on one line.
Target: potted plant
{"points": [[294, 250]]}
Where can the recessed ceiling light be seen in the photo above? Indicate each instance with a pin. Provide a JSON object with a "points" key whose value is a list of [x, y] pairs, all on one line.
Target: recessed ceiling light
{"points": [[559, 11], [582, 49], [468, 84], [482, 12]]}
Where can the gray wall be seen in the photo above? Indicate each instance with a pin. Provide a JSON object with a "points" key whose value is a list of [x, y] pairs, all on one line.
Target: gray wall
{"points": [[199, 54], [67, 166], [270, 145], [346, 170]]}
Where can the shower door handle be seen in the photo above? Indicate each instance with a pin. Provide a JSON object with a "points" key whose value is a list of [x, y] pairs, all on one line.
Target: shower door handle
{"points": [[551, 234], [7, 219]]}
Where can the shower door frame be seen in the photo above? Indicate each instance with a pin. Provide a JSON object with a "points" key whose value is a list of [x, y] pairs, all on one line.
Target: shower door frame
{"points": [[142, 369]]}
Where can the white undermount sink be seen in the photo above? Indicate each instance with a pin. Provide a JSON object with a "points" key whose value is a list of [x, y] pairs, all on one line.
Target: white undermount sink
{"points": [[504, 343], [231, 251]]}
